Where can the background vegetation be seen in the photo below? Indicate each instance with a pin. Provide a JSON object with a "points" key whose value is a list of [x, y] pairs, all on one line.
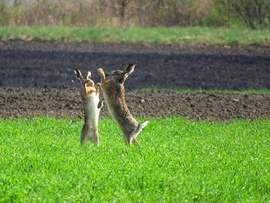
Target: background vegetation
{"points": [[136, 13], [172, 35]]}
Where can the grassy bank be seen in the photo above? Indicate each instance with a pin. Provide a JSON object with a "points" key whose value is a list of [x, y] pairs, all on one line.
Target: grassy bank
{"points": [[179, 161], [173, 35]]}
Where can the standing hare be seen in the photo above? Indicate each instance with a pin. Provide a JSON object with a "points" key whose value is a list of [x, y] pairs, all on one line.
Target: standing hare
{"points": [[91, 108], [114, 95]]}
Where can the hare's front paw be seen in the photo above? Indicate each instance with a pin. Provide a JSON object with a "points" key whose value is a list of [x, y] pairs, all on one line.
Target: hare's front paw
{"points": [[100, 104], [98, 85], [100, 72]]}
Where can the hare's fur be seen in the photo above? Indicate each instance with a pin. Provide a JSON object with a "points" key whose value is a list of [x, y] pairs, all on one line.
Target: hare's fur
{"points": [[91, 108], [114, 95]]}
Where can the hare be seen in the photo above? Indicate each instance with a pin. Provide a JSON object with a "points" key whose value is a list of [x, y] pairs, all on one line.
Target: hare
{"points": [[91, 108], [114, 95]]}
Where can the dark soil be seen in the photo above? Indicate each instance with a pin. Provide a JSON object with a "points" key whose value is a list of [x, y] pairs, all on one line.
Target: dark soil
{"points": [[37, 79]]}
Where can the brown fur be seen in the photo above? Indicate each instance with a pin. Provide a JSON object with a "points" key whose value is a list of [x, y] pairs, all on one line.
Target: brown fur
{"points": [[114, 94]]}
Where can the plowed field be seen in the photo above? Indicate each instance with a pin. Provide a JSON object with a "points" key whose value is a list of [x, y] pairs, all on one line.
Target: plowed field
{"points": [[37, 79]]}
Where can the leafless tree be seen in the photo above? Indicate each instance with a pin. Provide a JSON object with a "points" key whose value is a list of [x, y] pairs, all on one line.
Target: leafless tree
{"points": [[255, 13]]}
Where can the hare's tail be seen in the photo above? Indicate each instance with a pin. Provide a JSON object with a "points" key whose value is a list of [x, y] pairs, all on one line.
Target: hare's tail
{"points": [[142, 125], [136, 132]]}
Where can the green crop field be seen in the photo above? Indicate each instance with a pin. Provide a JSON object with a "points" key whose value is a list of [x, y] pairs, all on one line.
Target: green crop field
{"points": [[172, 35], [179, 160]]}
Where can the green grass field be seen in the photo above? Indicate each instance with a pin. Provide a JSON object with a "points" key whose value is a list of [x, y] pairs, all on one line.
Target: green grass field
{"points": [[180, 160], [173, 35]]}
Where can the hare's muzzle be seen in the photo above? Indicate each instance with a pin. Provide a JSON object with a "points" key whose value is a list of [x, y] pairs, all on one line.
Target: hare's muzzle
{"points": [[91, 89], [89, 83]]}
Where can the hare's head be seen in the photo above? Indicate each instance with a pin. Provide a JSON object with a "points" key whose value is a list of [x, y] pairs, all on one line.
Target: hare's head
{"points": [[120, 76], [84, 81]]}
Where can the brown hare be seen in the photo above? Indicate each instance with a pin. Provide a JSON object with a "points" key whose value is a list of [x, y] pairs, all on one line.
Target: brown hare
{"points": [[114, 95], [91, 108]]}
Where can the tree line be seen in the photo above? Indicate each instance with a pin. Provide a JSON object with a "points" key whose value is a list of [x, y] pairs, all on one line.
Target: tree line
{"points": [[254, 14]]}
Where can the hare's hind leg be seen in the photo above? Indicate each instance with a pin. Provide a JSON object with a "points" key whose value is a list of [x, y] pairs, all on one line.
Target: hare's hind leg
{"points": [[135, 133], [127, 140], [94, 139], [84, 135], [131, 139], [136, 142]]}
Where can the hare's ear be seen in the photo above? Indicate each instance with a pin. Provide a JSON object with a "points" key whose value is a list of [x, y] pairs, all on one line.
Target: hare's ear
{"points": [[78, 74], [130, 67], [88, 75]]}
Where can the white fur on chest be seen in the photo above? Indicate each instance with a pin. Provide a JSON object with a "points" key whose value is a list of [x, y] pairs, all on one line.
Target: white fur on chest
{"points": [[92, 109]]}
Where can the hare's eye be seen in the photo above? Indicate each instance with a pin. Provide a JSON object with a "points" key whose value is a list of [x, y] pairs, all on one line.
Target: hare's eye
{"points": [[89, 83]]}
